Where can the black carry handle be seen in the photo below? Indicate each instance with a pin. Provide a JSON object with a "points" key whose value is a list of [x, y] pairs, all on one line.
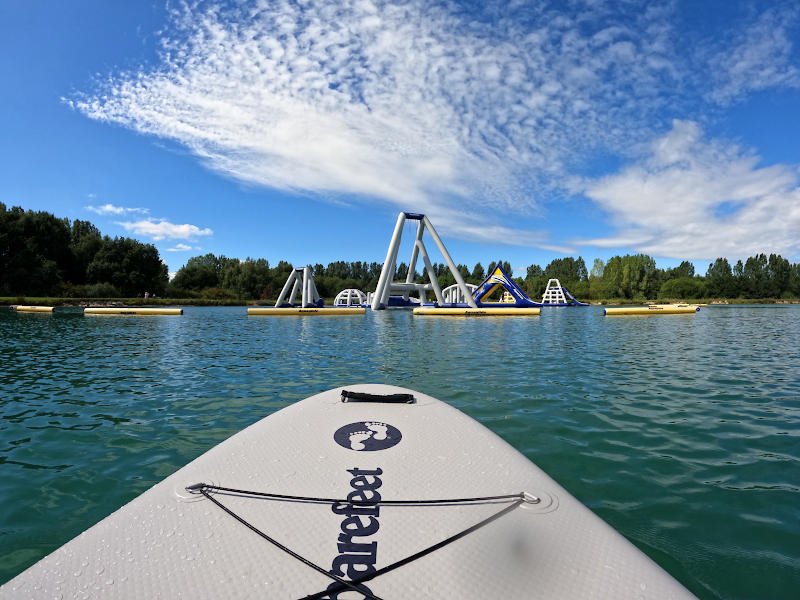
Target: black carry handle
{"points": [[382, 398]]}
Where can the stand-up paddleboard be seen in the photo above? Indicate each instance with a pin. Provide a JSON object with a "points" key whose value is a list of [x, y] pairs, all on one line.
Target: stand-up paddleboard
{"points": [[371, 488]]}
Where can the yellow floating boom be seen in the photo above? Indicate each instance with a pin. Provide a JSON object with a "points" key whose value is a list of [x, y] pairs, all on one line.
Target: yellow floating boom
{"points": [[654, 309], [131, 310], [678, 304], [476, 312], [37, 309], [287, 311]]}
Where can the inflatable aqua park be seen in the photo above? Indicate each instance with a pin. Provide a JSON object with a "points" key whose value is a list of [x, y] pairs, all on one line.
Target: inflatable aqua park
{"points": [[512, 295], [460, 298], [301, 280], [512, 302]]}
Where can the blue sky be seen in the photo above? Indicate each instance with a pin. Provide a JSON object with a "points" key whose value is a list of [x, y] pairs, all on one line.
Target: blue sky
{"points": [[527, 131]]}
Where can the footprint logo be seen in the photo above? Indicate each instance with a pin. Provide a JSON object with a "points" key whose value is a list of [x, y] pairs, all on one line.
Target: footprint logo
{"points": [[367, 436], [378, 429], [357, 439]]}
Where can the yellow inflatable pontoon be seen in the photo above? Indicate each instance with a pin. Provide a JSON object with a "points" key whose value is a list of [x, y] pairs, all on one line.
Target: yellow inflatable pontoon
{"points": [[333, 310], [681, 304], [131, 310], [36, 309], [485, 311], [653, 309]]}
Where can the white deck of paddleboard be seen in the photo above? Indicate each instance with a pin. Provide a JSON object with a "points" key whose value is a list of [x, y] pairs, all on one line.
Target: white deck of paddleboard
{"points": [[168, 543]]}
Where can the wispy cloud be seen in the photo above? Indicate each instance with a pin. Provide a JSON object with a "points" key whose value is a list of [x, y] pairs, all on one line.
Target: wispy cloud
{"points": [[760, 56], [692, 198], [470, 117], [415, 105], [110, 209], [162, 230], [181, 248]]}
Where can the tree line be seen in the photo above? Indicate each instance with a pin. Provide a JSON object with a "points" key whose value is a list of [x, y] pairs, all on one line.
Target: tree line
{"points": [[219, 277], [632, 277], [41, 255], [636, 277]]}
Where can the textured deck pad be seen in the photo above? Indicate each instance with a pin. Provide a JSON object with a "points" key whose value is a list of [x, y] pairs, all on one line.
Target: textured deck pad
{"points": [[169, 543]]}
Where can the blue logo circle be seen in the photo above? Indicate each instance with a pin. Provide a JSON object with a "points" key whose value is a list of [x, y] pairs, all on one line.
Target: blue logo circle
{"points": [[367, 436]]}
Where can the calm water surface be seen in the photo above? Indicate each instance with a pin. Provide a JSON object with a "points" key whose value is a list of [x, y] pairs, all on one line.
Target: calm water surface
{"points": [[683, 432]]}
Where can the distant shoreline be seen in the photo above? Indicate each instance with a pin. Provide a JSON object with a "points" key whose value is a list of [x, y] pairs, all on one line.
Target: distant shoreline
{"points": [[155, 302], [116, 302]]}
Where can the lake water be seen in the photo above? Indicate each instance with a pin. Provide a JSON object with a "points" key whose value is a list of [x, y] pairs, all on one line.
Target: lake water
{"points": [[683, 432]]}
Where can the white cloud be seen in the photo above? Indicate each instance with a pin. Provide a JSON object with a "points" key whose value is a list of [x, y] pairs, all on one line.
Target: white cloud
{"points": [[472, 118], [760, 57], [162, 229], [110, 209], [411, 105], [180, 248], [697, 199]]}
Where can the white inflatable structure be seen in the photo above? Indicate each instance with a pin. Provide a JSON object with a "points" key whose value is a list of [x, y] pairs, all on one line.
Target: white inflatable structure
{"points": [[453, 293], [558, 295], [554, 294], [400, 291], [301, 280], [350, 297]]}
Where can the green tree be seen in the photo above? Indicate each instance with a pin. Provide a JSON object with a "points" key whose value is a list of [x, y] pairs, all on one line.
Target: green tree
{"points": [[478, 274], [199, 272], [754, 276], [631, 276], [597, 268], [682, 288], [793, 286], [778, 274], [34, 251], [685, 269], [567, 270], [129, 265], [719, 279], [402, 272], [85, 241], [535, 282]]}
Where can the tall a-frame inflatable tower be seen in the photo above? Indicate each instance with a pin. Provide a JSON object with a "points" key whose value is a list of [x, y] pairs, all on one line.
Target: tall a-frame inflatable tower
{"points": [[399, 291]]}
